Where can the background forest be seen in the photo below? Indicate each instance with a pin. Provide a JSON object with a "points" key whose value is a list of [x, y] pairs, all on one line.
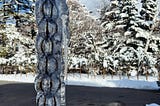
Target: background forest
{"points": [[124, 38]]}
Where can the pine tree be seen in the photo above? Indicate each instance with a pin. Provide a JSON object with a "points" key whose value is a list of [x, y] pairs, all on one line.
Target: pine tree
{"points": [[124, 19], [111, 33], [135, 31], [148, 12], [130, 19], [110, 16]]}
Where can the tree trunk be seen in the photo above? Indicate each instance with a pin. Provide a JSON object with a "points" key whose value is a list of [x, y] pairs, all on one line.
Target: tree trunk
{"points": [[52, 22]]}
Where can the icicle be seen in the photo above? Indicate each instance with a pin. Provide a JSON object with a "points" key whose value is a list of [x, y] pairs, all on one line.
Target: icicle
{"points": [[65, 45], [65, 56]]}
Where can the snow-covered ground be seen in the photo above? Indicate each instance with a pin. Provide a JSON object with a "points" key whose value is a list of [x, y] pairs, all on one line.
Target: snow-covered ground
{"points": [[29, 78], [99, 81], [96, 81], [152, 104]]}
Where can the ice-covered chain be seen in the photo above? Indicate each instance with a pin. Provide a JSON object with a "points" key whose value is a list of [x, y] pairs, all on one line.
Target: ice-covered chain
{"points": [[52, 23]]}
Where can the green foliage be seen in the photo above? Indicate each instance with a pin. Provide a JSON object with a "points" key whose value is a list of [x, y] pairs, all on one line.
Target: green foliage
{"points": [[4, 51], [3, 39], [2, 26]]}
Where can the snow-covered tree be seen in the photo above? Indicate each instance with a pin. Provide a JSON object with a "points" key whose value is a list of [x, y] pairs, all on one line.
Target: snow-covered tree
{"points": [[110, 16], [21, 48], [111, 33], [85, 31], [148, 12], [124, 35], [17, 43], [149, 15], [13, 10]]}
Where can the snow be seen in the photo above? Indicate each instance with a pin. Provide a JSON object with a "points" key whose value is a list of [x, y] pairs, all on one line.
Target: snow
{"points": [[142, 33], [152, 104], [84, 80], [12, 34], [3, 60], [123, 15], [94, 81], [27, 78], [114, 2], [109, 13], [99, 81], [133, 72], [75, 62]]}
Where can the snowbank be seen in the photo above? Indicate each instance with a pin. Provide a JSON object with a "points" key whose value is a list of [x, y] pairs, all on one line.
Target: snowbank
{"points": [[98, 81], [29, 78], [152, 104]]}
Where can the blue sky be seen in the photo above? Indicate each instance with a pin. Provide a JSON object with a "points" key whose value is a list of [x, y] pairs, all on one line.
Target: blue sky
{"points": [[93, 5]]}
